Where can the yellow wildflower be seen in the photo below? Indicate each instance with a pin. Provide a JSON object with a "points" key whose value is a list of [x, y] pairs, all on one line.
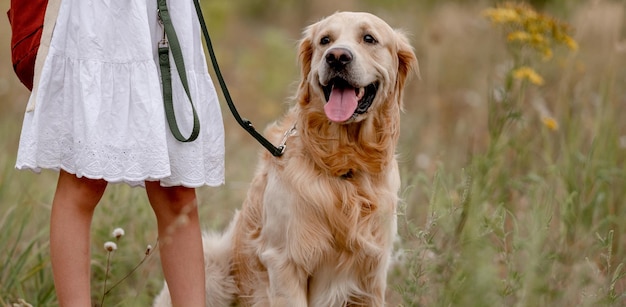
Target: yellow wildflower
{"points": [[550, 123], [522, 24], [523, 9], [502, 15], [537, 39], [570, 43], [547, 54], [521, 36], [527, 73]]}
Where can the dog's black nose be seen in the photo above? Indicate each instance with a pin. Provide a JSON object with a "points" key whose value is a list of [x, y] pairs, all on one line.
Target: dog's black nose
{"points": [[338, 57]]}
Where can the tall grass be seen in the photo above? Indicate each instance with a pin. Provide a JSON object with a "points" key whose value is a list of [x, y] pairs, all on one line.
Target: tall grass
{"points": [[503, 205], [530, 219]]}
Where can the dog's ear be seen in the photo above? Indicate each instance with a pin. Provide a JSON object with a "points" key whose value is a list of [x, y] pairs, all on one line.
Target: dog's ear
{"points": [[305, 54], [407, 64], [305, 57], [407, 61]]}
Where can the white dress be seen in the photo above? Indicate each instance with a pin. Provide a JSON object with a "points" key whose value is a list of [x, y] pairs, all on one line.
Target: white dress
{"points": [[99, 111]]}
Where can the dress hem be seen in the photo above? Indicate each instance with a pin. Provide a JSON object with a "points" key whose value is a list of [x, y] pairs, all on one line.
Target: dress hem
{"points": [[133, 182]]}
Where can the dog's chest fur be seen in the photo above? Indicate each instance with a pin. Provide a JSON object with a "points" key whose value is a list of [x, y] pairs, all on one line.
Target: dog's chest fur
{"points": [[330, 206]]}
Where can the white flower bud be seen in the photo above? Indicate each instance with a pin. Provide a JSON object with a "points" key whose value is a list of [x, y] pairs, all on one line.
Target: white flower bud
{"points": [[118, 233], [110, 246]]}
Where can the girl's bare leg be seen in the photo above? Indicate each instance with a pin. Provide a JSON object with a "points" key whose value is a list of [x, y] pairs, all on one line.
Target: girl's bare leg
{"points": [[72, 210], [180, 242]]}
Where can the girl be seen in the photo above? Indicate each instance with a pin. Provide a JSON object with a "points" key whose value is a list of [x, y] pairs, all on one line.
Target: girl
{"points": [[96, 116]]}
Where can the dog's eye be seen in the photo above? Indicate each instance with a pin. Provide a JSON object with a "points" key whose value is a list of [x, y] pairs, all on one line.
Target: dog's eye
{"points": [[369, 39], [325, 40]]}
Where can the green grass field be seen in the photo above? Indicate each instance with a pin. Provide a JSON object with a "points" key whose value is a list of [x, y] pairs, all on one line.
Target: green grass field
{"points": [[514, 190]]}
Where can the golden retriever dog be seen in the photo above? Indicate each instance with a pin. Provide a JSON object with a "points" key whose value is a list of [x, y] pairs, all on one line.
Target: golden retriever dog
{"points": [[318, 223]]}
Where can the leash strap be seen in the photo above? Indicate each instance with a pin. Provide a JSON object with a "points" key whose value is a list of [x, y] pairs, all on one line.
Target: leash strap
{"points": [[171, 42], [244, 123]]}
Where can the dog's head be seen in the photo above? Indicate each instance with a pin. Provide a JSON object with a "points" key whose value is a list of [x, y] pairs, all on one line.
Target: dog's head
{"points": [[353, 63]]}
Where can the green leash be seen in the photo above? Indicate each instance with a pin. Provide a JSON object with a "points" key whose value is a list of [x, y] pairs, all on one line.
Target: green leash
{"points": [[178, 60], [244, 123], [171, 42]]}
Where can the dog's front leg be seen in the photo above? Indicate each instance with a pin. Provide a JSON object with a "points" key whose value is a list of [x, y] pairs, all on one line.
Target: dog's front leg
{"points": [[288, 282]]}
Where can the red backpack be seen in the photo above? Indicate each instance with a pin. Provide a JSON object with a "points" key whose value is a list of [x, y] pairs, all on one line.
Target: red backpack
{"points": [[26, 19]]}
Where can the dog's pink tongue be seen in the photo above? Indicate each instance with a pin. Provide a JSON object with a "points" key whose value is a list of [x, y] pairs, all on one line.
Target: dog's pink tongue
{"points": [[341, 104]]}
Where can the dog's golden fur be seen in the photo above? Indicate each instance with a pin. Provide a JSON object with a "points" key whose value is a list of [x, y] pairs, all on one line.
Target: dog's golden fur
{"points": [[318, 223]]}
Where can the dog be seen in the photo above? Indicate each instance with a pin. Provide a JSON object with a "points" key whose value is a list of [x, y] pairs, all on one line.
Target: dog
{"points": [[318, 224]]}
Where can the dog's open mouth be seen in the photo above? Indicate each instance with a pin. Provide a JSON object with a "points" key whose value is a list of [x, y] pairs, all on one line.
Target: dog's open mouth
{"points": [[344, 101]]}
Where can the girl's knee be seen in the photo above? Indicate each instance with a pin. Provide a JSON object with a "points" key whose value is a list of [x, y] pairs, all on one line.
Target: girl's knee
{"points": [[81, 192], [177, 200]]}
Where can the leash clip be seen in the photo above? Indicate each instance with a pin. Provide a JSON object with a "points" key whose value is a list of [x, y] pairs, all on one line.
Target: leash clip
{"points": [[163, 43], [283, 143]]}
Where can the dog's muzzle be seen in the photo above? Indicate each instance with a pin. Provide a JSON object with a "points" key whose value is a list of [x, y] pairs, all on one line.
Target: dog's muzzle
{"points": [[345, 99]]}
